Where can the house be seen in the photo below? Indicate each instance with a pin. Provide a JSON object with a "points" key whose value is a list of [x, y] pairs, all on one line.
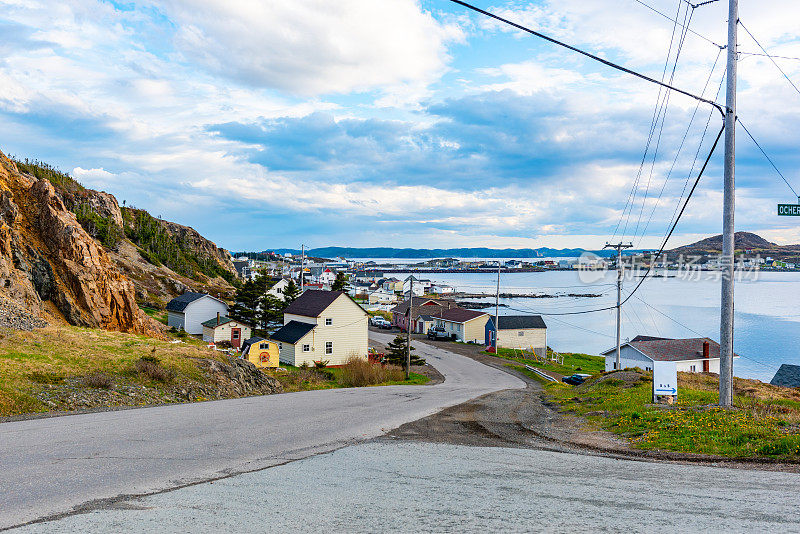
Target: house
{"points": [[441, 289], [260, 352], [381, 296], [223, 328], [243, 268], [417, 287], [322, 325], [188, 311], [692, 355], [788, 375], [277, 289], [422, 306], [519, 331], [464, 325], [423, 323]]}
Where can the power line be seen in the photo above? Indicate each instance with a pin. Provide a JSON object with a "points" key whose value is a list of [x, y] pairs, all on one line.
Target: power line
{"points": [[587, 54], [768, 158], [651, 8], [769, 56]]}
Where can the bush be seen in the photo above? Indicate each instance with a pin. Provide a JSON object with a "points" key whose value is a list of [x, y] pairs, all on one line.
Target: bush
{"points": [[151, 367], [322, 364], [358, 372], [43, 377], [98, 380]]}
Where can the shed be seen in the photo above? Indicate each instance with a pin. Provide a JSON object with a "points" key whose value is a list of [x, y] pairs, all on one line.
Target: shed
{"points": [[519, 331], [260, 352], [224, 328], [188, 311]]}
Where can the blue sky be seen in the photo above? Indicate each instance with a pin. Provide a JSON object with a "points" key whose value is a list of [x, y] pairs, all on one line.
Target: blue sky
{"points": [[397, 122]]}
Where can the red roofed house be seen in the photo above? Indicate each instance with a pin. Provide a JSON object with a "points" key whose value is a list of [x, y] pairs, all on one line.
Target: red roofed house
{"points": [[465, 325], [697, 355]]}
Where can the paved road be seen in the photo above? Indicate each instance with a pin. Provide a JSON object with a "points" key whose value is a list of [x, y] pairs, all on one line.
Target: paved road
{"points": [[423, 487], [52, 466]]}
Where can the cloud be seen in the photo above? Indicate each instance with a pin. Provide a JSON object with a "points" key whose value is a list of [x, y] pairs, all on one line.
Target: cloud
{"points": [[314, 47]]}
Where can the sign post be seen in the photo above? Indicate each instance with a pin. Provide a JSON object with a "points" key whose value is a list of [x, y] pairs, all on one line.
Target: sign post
{"points": [[665, 380]]}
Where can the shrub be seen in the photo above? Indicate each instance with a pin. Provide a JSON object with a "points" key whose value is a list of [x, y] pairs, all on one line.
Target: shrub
{"points": [[98, 380], [322, 364], [358, 372], [151, 367]]}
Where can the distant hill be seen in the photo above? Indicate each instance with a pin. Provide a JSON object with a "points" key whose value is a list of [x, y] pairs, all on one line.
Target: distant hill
{"points": [[425, 253], [742, 241]]}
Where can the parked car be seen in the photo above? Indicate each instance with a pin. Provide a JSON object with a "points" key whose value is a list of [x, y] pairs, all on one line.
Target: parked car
{"points": [[379, 321], [575, 380], [437, 333]]}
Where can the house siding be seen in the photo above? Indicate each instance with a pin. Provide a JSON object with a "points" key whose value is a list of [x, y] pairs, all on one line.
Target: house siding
{"points": [[175, 320], [531, 337], [198, 311], [254, 354], [628, 357], [223, 332]]}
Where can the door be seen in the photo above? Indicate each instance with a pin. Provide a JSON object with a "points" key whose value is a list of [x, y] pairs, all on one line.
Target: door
{"points": [[236, 337]]}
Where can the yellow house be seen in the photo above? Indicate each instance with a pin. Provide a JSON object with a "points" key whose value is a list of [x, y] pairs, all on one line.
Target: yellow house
{"points": [[322, 326], [260, 352], [464, 325]]}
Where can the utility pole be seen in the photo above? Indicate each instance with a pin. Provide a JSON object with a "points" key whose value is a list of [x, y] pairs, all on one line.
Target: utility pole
{"points": [[619, 246], [728, 205], [408, 325], [302, 267], [497, 309]]}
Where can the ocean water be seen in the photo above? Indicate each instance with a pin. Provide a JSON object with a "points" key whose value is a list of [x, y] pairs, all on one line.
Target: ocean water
{"points": [[767, 320]]}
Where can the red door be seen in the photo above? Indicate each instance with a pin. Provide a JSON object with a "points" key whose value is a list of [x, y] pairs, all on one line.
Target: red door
{"points": [[236, 337]]}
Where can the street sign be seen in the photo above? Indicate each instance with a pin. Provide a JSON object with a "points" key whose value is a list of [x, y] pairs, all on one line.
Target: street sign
{"points": [[791, 210], [665, 379]]}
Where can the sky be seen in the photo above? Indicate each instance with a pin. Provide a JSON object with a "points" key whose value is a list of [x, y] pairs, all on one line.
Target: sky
{"points": [[404, 123]]}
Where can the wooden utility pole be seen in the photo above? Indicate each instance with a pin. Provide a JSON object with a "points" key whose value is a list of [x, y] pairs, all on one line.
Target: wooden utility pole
{"points": [[302, 267], [497, 309], [408, 324], [728, 205], [619, 246]]}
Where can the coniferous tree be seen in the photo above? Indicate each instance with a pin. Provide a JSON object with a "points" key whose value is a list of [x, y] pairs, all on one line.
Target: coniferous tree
{"points": [[340, 284], [396, 353], [290, 293]]}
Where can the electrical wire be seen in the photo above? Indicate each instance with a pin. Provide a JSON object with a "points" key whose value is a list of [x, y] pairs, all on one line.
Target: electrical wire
{"points": [[587, 54], [769, 56], [651, 8], [768, 158]]}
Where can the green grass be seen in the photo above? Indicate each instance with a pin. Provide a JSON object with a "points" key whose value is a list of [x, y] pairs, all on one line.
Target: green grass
{"points": [[573, 362], [158, 315], [299, 379], [764, 423]]}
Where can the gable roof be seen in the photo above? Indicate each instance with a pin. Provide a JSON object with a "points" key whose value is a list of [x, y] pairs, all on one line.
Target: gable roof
{"points": [[402, 308], [292, 332], [312, 302], [249, 342], [179, 303], [520, 322], [674, 350], [212, 323], [648, 338], [459, 315], [788, 375]]}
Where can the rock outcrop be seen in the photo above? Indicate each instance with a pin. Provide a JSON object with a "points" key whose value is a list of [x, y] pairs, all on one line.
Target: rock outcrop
{"points": [[51, 267]]}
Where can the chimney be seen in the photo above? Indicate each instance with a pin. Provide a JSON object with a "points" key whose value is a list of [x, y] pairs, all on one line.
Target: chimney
{"points": [[218, 323], [706, 349]]}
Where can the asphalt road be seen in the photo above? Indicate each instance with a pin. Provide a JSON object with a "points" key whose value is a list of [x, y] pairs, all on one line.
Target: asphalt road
{"points": [[400, 486], [53, 466]]}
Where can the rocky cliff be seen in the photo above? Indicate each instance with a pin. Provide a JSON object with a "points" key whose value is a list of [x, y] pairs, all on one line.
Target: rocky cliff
{"points": [[51, 267]]}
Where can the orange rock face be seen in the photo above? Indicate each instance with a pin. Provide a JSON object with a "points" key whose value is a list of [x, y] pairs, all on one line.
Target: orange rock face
{"points": [[45, 255]]}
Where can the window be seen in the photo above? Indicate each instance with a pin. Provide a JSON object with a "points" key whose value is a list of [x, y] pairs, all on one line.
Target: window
{"points": [[263, 346], [329, 347], [235, 334], [692, 368], [521, 333], [280, 346], [328, 321], [306, 348]]}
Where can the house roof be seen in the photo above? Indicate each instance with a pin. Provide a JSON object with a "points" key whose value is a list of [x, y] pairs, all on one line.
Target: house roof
{"points": [[253, 340], [648, 338], [292, 332], [315, 301], [520, 322], [179, 303], [402, 308], [674, 350], [788, 375], [212, 323], [459, 315]]}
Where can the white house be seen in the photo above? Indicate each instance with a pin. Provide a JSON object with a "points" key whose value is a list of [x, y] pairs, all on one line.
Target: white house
{"points": [[188, 311], [277, 289], [322, 325], [441, 289], [223, 328], [519, 332], [696, 355]]}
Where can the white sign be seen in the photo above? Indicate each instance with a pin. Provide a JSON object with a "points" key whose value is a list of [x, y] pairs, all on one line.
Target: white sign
{"points": [[665, 378]]}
